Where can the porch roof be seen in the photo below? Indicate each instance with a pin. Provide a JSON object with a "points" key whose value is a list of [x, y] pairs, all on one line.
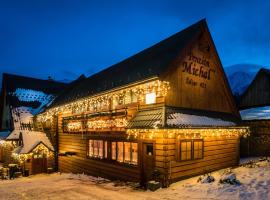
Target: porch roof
{"points": [[167, 117]]}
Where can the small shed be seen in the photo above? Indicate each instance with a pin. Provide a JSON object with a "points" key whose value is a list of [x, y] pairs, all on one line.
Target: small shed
{"points": [[34, 152]]}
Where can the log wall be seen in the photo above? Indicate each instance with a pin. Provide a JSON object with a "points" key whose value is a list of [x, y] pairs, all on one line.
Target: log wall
{"points": [[218, 153], [79, 163]]}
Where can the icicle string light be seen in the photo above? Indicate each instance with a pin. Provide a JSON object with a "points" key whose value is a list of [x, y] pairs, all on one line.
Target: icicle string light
{"points": [[74, 126], [41, 148], [104, 101], [187, 133]]}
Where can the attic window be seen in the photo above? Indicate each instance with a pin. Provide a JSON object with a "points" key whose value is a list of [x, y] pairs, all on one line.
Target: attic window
{"points": [[150, 98]]}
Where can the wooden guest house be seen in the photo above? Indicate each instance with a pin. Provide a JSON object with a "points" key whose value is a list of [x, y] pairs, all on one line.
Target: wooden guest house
{"points": [[167, 109], [254, 108]]}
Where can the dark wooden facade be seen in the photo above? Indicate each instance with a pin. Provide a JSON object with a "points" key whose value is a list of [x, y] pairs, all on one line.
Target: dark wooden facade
{"points": [[188, 61], [257, 96], [258, 93], [258, 143]]}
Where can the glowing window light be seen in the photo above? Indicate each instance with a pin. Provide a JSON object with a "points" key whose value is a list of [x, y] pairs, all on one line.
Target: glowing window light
{"points": [[150, 98]]}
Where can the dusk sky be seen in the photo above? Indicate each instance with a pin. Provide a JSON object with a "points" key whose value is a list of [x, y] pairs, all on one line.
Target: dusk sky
{"points": [[64, 38]]}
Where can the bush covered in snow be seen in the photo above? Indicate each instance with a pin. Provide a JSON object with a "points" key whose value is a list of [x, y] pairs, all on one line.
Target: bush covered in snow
{"points": [[206, 178], [229, 177]]}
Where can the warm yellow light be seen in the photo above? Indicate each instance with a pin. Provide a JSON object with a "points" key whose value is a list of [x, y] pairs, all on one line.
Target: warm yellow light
{"points": [[150, 98], [152, 89]]}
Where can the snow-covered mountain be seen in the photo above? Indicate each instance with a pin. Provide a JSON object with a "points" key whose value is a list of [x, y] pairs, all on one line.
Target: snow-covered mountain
{"points": [[240, 76]]}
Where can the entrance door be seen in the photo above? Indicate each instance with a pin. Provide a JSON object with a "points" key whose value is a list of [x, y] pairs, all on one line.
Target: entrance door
{"points": [[148, 162], [39, 164]]}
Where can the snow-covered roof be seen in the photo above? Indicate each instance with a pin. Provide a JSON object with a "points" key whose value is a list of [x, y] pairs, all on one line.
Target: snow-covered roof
{"points": [[178, 118], [256, 113], [31, 139], [26, 104], [28, 95], [181, 119]]}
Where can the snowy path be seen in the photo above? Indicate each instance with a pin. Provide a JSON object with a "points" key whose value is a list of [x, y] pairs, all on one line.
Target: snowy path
{"points": [[255, 184]]}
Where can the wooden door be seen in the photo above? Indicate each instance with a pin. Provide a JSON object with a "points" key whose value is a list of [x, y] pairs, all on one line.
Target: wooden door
{"points": [[148, 162], [39, 164]]}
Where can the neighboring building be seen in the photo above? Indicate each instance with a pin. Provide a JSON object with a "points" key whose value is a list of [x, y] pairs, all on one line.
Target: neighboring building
{"points": [[254, 108], [168, 108], [34, 150], [21, 99]]}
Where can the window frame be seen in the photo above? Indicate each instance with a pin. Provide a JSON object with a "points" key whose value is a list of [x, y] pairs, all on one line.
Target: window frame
{"points": [[202, 149], [179, 150], [109, 156], [98, 154]]}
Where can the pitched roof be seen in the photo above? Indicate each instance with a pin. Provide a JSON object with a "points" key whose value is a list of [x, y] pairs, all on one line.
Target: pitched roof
{"points": [[151, 118], [30, 140], [11, 82], [249, 99], [148, 63], [30, 92]]}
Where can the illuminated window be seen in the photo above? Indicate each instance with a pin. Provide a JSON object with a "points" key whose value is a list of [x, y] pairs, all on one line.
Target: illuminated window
{"points": [[96, 149], [150, 98], [123, 152], [127, 152], [120, 152], [198, 149], [185, 149], [113, 150], [91, 147], [190, 150], [100, 149], [105, 149], [134, 153]]}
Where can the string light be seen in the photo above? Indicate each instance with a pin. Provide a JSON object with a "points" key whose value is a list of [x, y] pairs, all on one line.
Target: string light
{"points": [[75, 126], [41, 148], [188, 133], [96, 103]]}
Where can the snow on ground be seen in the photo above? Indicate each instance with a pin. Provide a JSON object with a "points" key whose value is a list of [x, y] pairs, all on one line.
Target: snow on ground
{"points": [[255, 184]]}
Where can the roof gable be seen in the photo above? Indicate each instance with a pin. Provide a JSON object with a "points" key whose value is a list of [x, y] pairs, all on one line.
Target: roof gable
{"points": [[258, 92], [148, 63], [30, 93], [11, 82]]}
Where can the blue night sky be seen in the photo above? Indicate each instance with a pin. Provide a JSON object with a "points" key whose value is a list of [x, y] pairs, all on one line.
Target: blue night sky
{"points": [[64, 38]]}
